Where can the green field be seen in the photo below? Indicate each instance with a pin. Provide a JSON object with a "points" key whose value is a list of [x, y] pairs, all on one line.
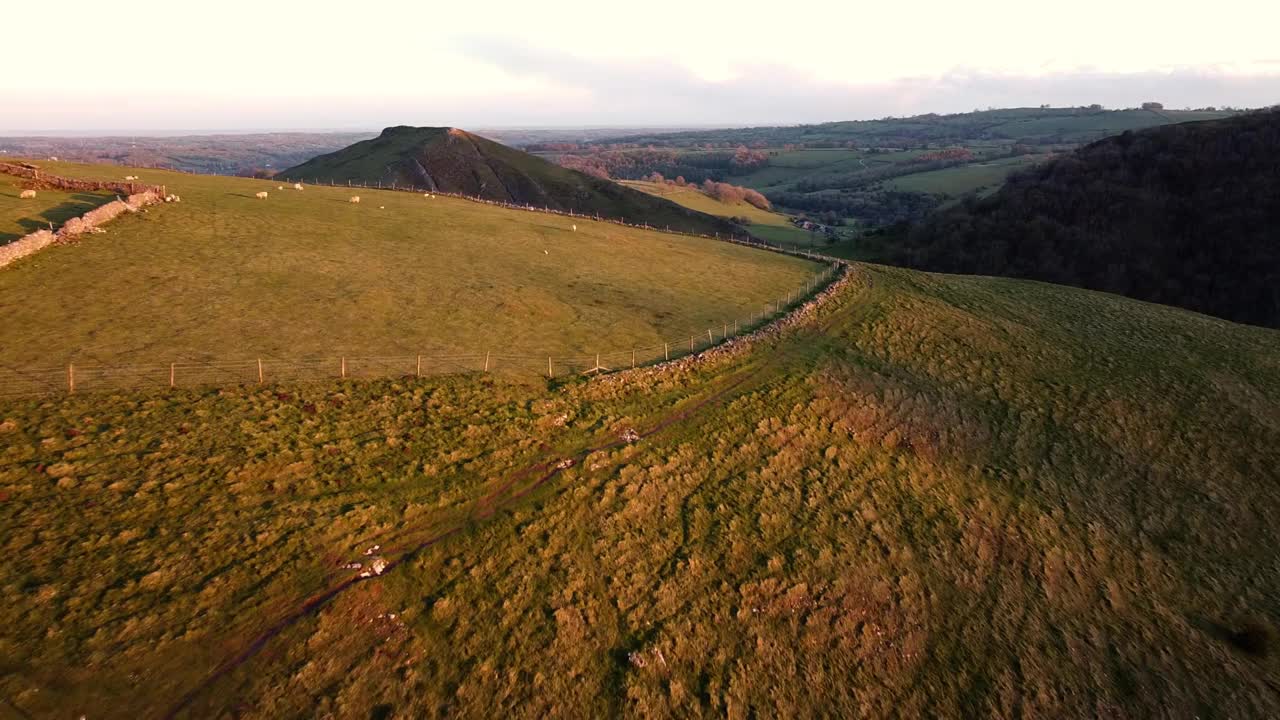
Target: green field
{"points": [[769, 226], [954, 181], [789, 167], [223, 275], [694, 199], [19, 217], [936, 497]]}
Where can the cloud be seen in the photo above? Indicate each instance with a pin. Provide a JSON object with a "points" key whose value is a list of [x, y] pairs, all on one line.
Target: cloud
{"points": [[660, 91]]}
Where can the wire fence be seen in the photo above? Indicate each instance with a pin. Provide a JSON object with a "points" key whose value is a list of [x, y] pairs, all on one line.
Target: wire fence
{"points": [[745, 239], [77, 378]]}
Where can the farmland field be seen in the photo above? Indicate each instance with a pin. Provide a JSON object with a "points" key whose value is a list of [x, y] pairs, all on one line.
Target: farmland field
{"points": [[223, 275], [936, 497], [985, 176], [770, 226], [19, 217]]}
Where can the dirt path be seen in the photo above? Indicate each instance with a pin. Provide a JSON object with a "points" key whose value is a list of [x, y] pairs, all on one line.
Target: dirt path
{"points": [[402, 548]]}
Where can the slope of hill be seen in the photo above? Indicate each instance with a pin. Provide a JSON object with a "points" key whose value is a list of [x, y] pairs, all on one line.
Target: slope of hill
{"points": [[455, 161], [1185, 215], [304, 274], [931, 499], [1036, 126], [764, 224]]}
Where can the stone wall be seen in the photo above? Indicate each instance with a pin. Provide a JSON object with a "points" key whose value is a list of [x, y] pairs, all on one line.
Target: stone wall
{"points": [[25, 246], [138, 195], [39, 179]]}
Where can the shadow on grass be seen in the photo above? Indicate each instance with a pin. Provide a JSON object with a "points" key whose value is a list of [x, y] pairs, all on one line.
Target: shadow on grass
{"points": [[1251, 637]]}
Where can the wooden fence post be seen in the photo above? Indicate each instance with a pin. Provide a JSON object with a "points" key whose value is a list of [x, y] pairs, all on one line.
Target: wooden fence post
{"points": [[172, 372], [71, 377], [550, 372], [633, 358], [417, 371], [690, 343], [486, 361], [666, 351], [259, 371], [710, 340], [344, 366]]}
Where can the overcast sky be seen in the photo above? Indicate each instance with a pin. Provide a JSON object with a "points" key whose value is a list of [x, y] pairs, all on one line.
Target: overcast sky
{"points": [[275, 64]]}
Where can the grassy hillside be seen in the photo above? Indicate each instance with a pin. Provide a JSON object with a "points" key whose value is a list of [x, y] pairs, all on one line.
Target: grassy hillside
{"points": [[694, 199], [875, 173], [1030, 125], [1183, 214], [19, 217], [983, 177], [938, 497], [451, 160], [772, 227], [223, 275]]}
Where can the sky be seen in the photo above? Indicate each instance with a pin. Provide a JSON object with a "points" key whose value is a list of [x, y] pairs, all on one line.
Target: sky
{"points": [[278, 64]]}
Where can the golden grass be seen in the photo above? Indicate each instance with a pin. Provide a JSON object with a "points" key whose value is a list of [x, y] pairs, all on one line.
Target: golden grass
{"points": [[947, 497]]}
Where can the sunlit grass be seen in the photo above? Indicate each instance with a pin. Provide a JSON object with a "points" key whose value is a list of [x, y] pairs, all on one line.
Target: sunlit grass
{"points": [[945, 497]]}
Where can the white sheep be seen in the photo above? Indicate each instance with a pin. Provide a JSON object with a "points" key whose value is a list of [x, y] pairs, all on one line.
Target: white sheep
{"points": [[279, 187], [575, 228], [297, 186], [27, 194], [130, 177], [355, 198], [262, 195]]}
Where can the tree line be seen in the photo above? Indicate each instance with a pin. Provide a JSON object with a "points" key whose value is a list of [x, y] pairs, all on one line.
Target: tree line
{"points": [[1185, 214]]}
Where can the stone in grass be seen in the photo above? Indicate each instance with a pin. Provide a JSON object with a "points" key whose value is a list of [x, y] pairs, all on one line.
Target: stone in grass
{"points": [[377, 566]]}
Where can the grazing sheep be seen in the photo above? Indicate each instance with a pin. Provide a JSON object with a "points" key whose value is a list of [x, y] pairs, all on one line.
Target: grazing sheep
{"points": [[297, 186], [575, 228], [130, 177], [262, 195], [355, 198], [382, 207], [27, 194], [279, 187]]}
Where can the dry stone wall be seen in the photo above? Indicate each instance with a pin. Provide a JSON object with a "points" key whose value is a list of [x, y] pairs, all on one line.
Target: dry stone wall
{"points": [[139, 195], [41, 180]]}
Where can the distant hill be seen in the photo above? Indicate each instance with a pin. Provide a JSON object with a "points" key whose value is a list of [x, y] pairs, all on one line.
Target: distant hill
{"points": [[224, 154], [456, 161], [1185, 215], [1031, 126]]}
